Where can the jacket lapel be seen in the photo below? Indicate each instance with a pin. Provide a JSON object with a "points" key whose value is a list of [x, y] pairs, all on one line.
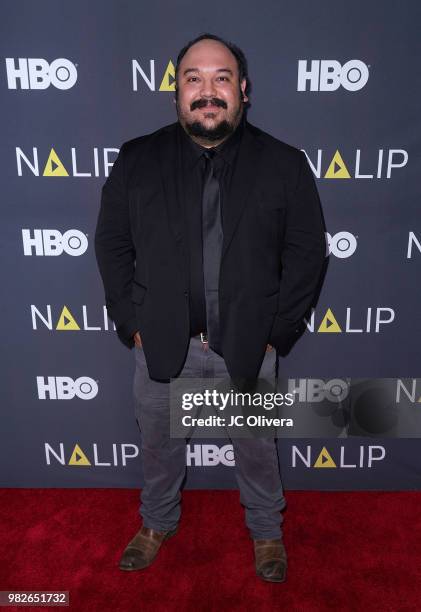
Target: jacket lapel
{"points": [[242, 183], [168, 161], [169, 170]]}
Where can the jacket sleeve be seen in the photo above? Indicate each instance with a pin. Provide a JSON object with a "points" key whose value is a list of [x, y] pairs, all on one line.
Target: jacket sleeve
{"points": [[115, 251], [302, 258]]}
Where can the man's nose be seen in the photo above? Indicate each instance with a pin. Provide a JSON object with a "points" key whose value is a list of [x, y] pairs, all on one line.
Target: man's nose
{"points": [[208, 89]]}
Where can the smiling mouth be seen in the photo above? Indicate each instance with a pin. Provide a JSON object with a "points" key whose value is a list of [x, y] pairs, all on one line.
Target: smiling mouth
{"points": [[209, 107]]}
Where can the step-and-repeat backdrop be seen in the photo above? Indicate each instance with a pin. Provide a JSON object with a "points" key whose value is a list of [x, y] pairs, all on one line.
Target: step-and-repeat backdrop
{"points": [[341, 81]]}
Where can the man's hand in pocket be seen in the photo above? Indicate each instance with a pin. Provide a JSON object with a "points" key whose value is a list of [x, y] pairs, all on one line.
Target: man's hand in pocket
{"points": [[137, 340]]}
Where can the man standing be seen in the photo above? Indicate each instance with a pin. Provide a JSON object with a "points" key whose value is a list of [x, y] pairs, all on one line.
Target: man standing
{"points": [[210, 243]]}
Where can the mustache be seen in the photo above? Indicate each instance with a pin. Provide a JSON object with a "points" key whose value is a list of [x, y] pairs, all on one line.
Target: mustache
{"points": [[204, 102]]}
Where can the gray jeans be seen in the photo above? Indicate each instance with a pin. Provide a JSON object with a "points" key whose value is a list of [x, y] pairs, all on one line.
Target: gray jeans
{"points": [[164, 458]]}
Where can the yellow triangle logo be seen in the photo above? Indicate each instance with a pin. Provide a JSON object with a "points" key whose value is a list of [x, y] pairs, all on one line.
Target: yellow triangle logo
{"points": [[329, 323], [66, 321], [324, 460], [166, 84], [337, 168], [78, 457], [54, 166]]}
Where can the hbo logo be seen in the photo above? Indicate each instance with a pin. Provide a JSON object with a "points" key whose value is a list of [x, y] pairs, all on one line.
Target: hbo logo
{"points": [[39, 74], [210, 455], [329, 75], [317, 390], [64, 387], [52, 242], [342, 244]]}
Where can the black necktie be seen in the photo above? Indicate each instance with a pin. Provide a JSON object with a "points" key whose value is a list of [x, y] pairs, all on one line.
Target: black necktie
{"points": [[212, 248]]}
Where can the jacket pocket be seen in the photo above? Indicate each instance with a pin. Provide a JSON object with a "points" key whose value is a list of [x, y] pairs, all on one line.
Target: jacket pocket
{"points": [[285, 333]]}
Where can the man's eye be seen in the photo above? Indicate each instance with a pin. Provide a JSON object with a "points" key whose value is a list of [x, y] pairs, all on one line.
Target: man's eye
{"points": [[223, 77], [191, 78]]}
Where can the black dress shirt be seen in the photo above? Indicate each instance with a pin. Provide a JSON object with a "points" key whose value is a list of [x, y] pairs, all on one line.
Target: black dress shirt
{"points": [[192, 164]]}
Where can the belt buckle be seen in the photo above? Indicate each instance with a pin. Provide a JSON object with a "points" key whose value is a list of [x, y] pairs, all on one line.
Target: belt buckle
{"points": [[204, 337]]}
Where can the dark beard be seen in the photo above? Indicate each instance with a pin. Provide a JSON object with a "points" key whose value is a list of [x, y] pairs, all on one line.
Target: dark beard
{"points": [[223, 129]]}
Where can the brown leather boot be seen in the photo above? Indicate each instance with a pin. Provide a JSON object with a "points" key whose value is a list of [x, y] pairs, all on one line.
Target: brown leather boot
{"points": [[270, 559], [143, 548]]}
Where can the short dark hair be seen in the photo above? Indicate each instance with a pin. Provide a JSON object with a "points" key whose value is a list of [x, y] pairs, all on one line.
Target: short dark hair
{"points": [[236, 51]]}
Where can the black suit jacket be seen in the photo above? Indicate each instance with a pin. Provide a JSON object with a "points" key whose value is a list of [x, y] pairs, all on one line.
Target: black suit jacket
{"points": [[272, 256]]}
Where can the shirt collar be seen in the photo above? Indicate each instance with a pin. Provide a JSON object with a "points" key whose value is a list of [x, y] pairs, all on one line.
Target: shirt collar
{"points": [[226, 149]]}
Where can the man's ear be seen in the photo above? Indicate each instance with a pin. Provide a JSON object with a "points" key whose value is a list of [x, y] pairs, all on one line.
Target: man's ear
{"points": [[243, 85]]}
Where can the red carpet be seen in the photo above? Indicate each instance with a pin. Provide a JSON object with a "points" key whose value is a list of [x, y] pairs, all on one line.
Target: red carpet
{"points": [[346, 551]]}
